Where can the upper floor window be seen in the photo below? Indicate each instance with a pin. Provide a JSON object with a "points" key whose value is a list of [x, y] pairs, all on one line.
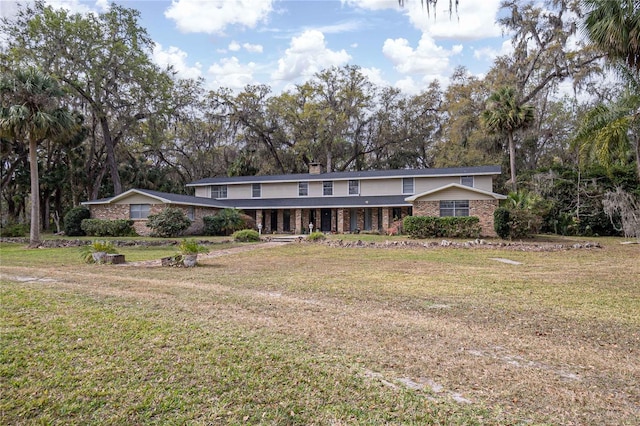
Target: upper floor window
{"points": [[354, 187], [407, 185], [454, 208], [256, 190], [139, 211], [327, 187], [466, 181], [303, 189], [219, 191]]}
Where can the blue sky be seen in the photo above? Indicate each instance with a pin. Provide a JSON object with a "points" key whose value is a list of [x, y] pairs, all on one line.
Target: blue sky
{"points": [[231, 43]]}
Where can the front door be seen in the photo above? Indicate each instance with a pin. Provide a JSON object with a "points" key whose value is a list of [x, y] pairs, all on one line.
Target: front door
{"points": [[286, 220], [325, 220], [353, 220], [274, 220]]}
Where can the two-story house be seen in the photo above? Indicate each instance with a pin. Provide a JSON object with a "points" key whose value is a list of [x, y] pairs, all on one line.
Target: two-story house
{"points": [[330, 202]]}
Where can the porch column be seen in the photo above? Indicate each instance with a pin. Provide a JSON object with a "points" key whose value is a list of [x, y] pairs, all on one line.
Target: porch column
{"points": [[340, 227], [385, 218], [280, 220], [297, 226], [259, 217]]}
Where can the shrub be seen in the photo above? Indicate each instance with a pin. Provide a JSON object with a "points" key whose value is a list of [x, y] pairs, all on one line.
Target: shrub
{"points": [[73, 221], [170, 222], [191, 246], [435, 227], [12, 230], [87, 251], [316, 236], [524, 223], [108, 228], [501, 222], [516, 223], [225, 222], [246, 235]]}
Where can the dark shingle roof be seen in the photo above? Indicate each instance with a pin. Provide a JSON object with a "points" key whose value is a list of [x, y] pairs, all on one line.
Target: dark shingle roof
{"points": [[370, 174]]}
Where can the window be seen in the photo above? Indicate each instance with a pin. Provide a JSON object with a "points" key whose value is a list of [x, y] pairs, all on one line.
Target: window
{"points": [[191, 213], [139, 211], [303, 189], [466, 181], [454, 208], [327, 187], [354, 187], [407, 185], [256, 190], [219, 191]]}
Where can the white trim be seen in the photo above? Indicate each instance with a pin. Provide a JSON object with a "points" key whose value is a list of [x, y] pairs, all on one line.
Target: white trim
{"points": [[458, 186]]}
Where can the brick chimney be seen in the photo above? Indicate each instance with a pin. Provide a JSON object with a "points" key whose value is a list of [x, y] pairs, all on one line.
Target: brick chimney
{"points": [[315, 168]]}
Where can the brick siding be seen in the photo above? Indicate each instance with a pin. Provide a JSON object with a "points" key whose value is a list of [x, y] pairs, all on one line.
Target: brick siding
{"points": [[483, 209], [121, 211]]}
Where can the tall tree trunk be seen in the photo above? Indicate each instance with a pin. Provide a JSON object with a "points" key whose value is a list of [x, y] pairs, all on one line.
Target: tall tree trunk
{"points": [[111, 156], [34, 234], [512, 161], [637, 141]]}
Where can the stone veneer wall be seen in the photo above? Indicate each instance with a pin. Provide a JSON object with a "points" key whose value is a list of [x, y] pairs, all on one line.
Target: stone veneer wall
{"points": [[483, 209], [121, 211]]}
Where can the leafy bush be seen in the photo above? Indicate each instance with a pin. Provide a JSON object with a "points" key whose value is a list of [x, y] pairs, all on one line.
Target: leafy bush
{"points": [[170, 222], [191, 246], [524, 223], [516, 223], [501, 222], [12, 230], [87, 251], [108, 228], [436, 227], [73, 221], [224, 222], [316, 236], [246, 235]]}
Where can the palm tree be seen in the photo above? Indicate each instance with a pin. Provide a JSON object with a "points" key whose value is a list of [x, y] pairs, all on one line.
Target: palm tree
{"points": [[614, 28], [29, 113], [609, 130], [504, 116]]}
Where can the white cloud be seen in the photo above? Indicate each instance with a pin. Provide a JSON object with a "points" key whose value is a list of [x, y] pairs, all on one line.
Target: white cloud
{"points": [[474, 19], [212, 17], [489, 53], [177, 59], [426, 58], [234, 46], [253, 48], [375, 76], [229, 72], [74, 6], [306, 55]]}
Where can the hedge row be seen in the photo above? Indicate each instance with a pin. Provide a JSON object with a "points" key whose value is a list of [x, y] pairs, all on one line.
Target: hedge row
{"points": [[108, 228], [442, 227]]}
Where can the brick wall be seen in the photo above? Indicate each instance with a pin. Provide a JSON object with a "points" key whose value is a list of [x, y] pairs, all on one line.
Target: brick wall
{"points": [[483, 209], [121, 211]]}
